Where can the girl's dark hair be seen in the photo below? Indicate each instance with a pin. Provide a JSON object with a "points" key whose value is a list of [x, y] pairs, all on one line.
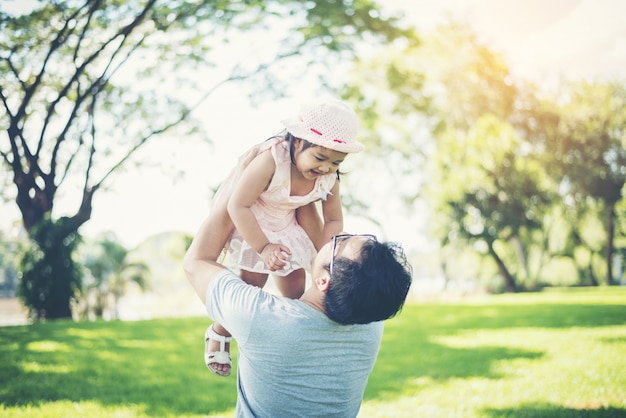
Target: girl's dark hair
{"points": [[370, 289]]}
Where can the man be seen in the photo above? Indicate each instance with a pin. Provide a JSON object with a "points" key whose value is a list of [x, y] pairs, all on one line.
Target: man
{"points": [[312, 356]]}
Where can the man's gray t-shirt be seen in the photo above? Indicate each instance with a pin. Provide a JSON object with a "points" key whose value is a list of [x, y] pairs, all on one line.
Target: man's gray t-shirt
{"points": [[293, 360]]}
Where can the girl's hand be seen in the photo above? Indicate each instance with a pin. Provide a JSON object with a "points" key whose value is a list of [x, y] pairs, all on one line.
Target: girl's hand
{"points": [[275, 256]]}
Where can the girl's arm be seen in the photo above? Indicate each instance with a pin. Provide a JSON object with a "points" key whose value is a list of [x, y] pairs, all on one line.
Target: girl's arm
{"points": [[333, 214], [200, 261], [252, 182]]}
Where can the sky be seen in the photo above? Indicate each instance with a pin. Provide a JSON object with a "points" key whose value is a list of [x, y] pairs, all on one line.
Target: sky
{"points": [[541, 40]]}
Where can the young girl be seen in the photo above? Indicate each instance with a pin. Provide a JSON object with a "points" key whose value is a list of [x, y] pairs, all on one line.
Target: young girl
{"points": [[268, 197]]}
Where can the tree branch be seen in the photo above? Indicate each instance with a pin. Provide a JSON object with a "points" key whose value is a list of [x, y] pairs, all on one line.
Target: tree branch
{"points": [[93, 90], [124, 32], [5, 157], [167, 127], [15, 132], [54, 45], [94, 7], [5, 103], [15, 72]]}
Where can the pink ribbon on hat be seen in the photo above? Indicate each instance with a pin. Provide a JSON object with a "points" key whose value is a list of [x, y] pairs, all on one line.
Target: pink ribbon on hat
{"points": [[315, 131]]}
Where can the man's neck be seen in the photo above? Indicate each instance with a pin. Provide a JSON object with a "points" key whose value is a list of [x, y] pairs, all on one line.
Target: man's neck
{"points": [[314, 298]]}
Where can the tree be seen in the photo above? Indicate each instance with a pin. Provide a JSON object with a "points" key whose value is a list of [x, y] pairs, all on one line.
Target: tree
{"points": [[84, 88], [446, 105], [112, 271], [50, 277], [484, 192], [582, 130], [499, 162], [593, 153]]}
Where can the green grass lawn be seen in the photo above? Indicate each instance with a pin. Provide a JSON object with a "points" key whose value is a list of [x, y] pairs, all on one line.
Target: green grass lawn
{"points": [[558, 353]]}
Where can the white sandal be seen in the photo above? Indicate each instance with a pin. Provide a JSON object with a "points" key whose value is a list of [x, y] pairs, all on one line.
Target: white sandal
{"points": [[219, 357]]}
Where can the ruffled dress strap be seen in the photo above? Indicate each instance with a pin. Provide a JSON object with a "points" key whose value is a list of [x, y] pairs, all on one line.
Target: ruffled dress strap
{"points": [[243, 161]]}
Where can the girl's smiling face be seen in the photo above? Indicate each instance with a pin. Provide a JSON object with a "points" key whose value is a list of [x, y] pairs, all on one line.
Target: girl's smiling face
{"points": [[316, 161]]}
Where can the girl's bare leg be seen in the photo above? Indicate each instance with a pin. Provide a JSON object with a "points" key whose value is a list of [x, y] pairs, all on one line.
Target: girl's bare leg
{"points": [[291, 285], [255, 279], [309, 219]]}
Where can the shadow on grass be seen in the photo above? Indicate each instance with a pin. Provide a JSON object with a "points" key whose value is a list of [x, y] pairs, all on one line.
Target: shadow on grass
{"points": [[410, 355], [156, 364], [554, 411], [614, 340]]}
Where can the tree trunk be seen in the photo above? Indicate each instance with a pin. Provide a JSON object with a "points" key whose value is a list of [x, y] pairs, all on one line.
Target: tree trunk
{"points": [[50, 276], [590, 272], [521, 254], [509, 280], [610, 232]]}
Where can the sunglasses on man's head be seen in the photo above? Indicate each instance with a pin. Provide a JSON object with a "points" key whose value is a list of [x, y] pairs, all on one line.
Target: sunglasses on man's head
{"points": [[342, 237]]}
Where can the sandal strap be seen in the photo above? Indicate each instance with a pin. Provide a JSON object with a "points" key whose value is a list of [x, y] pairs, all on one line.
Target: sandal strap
{"points": [[220, 357], [210, 333]]}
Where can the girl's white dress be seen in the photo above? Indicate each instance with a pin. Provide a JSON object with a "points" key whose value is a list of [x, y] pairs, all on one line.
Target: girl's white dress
{"points": [[275, 211]]}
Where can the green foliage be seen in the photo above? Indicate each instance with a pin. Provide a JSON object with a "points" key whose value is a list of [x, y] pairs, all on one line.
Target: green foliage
{"points": [[589, 145], [581, 133], [519, 174], [555, 353], [333, 24], [492, 196], [50, 276], [111, 271], [467, 79]]}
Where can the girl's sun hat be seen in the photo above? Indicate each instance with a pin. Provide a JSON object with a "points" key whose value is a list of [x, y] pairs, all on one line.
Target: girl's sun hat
{"points": [[330, 123]]}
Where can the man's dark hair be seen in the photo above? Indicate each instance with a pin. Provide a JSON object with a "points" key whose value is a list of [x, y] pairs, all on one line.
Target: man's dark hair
{"points": [[370, 289]]}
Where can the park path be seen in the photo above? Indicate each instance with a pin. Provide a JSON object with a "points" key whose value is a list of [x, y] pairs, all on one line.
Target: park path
{"points": [[12, 312]]}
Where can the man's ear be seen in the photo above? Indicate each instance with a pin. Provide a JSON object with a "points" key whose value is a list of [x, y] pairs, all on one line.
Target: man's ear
{"points": [[322, 281]]}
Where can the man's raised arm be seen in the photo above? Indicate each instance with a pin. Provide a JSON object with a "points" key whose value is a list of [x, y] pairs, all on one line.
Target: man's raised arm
{"points": [[200, 262]]}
